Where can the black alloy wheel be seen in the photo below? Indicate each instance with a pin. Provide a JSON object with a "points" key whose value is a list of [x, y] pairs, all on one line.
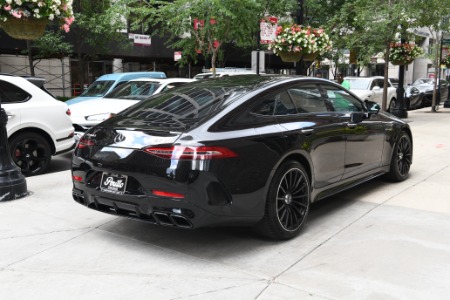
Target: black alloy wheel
{"points": [[31, 153], [401, 159], [287, 203]]}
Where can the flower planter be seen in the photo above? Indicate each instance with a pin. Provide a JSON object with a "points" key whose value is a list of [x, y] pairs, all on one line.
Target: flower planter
{"points": [[402, 62], [290, 56], [24, 28], [309, 56]]}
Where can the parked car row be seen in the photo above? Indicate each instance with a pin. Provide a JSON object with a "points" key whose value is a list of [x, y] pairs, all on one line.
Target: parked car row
{"points": [[418, 94], [34, 136], [40, 126], [249, 150]]}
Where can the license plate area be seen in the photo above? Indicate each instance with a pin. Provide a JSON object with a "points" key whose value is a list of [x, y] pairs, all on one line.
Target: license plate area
{"points": [[113, 183]]}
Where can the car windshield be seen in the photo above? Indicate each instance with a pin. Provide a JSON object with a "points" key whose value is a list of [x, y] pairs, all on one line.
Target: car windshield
{"points": [[423, 80], [359, 83], [135, 90], [98, 88]]}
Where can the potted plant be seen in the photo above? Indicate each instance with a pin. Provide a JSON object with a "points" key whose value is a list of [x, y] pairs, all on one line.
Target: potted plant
{"points": [[404, 53], [294, 41], [27, 19]]}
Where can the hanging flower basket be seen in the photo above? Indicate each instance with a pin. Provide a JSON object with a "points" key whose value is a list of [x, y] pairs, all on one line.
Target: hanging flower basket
{"points": [[400, 62], [299, 41], [24, 28], [27, 19], [404, 53], [287, 56], [310, 56]]}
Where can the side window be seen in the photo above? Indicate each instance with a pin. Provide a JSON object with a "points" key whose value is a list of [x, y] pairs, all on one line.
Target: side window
{"points": [[307, 98], [284, 104], [266, 107], [380, 83], [10, 93], [279, 104], [341, 100]]}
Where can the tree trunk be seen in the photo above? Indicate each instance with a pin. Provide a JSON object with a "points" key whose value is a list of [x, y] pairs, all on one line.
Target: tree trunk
{"points": [[437, 69], [30, 58]]}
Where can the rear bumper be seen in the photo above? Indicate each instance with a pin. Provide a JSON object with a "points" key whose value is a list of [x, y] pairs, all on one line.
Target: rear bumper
{"points": [[64, 145], [158, 211]]}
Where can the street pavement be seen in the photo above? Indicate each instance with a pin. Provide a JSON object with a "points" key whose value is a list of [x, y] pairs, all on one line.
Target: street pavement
{"points": [[377, 241]]}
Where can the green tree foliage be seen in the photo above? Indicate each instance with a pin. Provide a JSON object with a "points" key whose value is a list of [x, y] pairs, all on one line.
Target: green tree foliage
{"points": [[98, 25], [205, 26], [51, 45]]}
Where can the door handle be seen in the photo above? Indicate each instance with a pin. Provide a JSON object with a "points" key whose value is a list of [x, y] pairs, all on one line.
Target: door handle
{"points": [[9, 114], [307, 131]]}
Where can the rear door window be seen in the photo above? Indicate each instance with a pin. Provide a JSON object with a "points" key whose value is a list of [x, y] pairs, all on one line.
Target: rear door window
{"points": [[10, 93]]}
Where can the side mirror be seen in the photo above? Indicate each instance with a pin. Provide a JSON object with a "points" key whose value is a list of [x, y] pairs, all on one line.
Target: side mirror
{"points": [[372, 107], [376, 88]]}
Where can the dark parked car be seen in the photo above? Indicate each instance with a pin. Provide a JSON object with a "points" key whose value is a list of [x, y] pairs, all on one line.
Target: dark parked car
{"points": [[426, 87], [241, 150], [413, 97]]}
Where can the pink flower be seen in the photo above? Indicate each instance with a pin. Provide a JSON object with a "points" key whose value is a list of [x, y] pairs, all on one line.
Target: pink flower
{"points": [[66, 27], [279, 30], [17, 15], [7, 7], [69, 20]]}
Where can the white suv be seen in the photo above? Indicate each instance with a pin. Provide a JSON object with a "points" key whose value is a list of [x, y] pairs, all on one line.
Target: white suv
{"points": [[371, 88], [38, 127]]}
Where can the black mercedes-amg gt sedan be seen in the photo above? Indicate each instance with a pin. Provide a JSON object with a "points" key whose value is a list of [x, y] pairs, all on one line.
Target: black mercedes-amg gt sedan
{"points": [[242, 150]]}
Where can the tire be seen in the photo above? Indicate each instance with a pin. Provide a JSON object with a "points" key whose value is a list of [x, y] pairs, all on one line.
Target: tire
{"points": [[287, 202], [391, 106], [401, 159], [31, 153]]}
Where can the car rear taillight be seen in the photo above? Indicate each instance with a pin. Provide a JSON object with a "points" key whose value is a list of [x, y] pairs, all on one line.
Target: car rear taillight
{"points": [[191, 152], [167, 194], [85, 143], [77, 178], [68, 112]]}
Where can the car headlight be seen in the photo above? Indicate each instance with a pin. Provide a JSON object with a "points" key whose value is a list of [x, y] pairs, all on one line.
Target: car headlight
{"points": [[99, 117]]}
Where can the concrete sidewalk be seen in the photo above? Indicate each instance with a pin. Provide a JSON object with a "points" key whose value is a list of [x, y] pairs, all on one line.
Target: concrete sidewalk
{"points": [[376, 241]]}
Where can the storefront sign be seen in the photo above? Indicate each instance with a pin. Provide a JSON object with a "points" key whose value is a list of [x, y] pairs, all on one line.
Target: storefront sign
{"points": [[140, 39], [177, 55]]}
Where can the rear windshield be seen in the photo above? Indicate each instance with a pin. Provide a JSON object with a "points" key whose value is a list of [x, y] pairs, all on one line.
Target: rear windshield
{"points": [[180, 108], [135, 90], [98, 88]]}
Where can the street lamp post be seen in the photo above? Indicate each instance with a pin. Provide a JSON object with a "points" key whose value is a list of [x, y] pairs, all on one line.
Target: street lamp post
{"points": [[400, 107], [12, 183]]}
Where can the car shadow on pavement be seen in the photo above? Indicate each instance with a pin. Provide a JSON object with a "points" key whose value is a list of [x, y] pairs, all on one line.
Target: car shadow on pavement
{"points": [[327, 217], [60, 163]]}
